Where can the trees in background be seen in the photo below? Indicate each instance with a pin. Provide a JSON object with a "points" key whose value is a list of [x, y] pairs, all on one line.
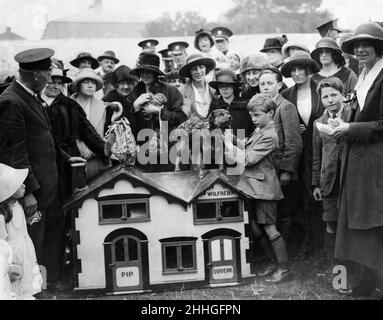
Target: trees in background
{"points": [[248, 17]]}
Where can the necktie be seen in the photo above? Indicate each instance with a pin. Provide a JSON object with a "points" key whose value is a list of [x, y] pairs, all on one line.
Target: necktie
{"points": [[334, 116]]}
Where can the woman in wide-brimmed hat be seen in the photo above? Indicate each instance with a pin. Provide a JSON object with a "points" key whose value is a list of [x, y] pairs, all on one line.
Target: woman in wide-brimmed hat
{"points": [[85, 60], [204, 43], [197, 94], [329, 56], [251, 68], [151, 114], [227, 87], [360, 223], [305, 98]]}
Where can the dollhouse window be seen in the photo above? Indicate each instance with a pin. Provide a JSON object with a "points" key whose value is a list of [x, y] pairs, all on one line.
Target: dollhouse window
{"points": [[218, 211], [178, 256], [123, 211]]}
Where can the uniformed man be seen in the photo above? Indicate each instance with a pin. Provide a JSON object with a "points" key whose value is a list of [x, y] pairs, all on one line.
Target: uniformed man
{"points": [[148, 45], [329, 29], [178, 52], [221, 37], [27, 141], [167, 59]]}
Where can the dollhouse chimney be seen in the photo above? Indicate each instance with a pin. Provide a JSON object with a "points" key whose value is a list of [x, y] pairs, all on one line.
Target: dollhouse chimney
{"points": [[78, 177]]}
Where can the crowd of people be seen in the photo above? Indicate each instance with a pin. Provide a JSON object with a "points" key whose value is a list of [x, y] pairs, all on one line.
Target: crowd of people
{"points": [[312, 124]]}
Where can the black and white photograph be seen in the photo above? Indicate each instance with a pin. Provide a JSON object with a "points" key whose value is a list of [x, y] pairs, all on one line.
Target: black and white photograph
{"points": [[204, 153]]}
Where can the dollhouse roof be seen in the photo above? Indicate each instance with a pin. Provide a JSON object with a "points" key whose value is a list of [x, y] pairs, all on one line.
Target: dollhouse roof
{"points": [[182, 186]]}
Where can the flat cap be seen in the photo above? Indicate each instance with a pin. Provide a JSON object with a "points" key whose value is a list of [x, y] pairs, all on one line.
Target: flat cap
{"points": [[35, 59]]}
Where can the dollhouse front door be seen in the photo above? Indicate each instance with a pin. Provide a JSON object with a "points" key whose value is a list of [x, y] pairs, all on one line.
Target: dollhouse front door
{"points": [[222, 260], [126, 264]]}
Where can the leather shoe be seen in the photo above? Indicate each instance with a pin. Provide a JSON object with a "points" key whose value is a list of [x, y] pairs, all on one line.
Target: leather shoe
{"points": [[278, 276], [57, 287], [270, 269]]}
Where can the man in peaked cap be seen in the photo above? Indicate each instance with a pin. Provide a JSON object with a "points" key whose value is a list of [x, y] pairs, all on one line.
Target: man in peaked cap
{"points": [[329, 29], [148, 45], [167, 59], [221, 37], [27, 141], [178, 52]]}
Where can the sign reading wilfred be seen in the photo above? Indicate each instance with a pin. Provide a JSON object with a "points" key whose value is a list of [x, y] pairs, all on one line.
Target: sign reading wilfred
{"points": [[218, 192]]}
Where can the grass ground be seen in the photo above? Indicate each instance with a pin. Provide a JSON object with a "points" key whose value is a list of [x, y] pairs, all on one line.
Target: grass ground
{"points": [[307, 283]]}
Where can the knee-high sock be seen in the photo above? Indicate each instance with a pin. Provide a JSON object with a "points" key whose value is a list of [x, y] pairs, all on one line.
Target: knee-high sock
{"points": [[280, 251], [329, 246]]}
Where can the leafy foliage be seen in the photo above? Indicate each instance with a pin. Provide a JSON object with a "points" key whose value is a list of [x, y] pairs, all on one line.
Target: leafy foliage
{"points": [[248, 17]]}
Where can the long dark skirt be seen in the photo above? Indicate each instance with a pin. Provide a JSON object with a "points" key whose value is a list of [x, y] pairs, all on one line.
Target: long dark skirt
{"points": [[361, 246]]}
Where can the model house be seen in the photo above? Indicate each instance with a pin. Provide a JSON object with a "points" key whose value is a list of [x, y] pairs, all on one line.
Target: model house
{"points": [[136, 231]]}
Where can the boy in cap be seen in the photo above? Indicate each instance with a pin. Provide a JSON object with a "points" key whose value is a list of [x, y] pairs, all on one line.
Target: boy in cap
{"points": [[27, 141], [329, 29], [221, 37]]}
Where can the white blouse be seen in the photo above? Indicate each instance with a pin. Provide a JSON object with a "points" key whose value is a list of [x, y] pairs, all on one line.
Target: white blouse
{"points": [[304, 108], [202, 101]]}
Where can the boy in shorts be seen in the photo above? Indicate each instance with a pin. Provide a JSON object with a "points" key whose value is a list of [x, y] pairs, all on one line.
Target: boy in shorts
{"points": [[260, 181]]}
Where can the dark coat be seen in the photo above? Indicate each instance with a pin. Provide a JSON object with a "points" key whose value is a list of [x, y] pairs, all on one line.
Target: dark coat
{"points": [[259, 179], [327, 154], [173, 108], [127, 112], [305, 164], [360, 223], [240, 116], [289, 134], [69, 123], [346, 75], [27, 141]]}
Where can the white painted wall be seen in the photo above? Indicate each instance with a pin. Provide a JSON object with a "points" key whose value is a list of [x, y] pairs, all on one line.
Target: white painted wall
{"points": [[167, 220]]}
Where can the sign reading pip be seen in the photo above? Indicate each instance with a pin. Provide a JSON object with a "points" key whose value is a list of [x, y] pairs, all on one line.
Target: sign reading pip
{"points": [[223, 272], [127, 277]]}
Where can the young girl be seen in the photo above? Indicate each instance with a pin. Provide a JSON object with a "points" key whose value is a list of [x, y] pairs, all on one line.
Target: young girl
{"points": [[13, 229]]}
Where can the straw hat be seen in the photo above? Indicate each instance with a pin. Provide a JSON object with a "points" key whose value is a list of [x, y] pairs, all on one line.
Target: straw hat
{"points": [[196, 60], [371, 32], [300, 58], [10, 180], [87, 73]]}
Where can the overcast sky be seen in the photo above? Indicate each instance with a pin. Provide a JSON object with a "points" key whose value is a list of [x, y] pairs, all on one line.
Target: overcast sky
{"points": [[27, 17]]}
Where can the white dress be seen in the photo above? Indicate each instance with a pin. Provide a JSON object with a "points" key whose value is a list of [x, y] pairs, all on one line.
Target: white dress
{"points": [[24, 255]]}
